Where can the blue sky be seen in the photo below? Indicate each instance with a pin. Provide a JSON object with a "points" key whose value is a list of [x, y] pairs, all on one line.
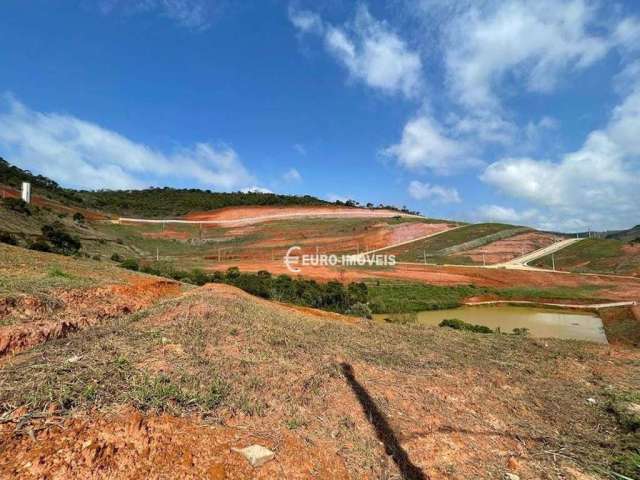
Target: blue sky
{"points": [[519, 111]]}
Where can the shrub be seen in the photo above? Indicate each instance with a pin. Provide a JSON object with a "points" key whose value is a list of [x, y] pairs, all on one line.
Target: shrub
{"points": [[130, 264], [233, 273], [457, 324], [17, 205], [6, 237], [40, 246], [198, 277], [97, 257], [360, 310], [116, 258], [61, 241], [78, 217]]}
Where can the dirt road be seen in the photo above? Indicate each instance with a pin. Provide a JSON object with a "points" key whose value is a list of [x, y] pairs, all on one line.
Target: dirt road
{"points": [[543, 252], [250, 215]]}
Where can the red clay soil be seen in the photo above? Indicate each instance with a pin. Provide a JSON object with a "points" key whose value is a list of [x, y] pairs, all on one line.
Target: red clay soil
{"points": [[245, 214], [510, 248], [613, 288], [40, 320], [132, 446], [312, 239], [52, 204]]}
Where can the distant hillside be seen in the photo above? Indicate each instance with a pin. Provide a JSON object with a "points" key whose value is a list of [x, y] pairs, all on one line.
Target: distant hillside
{"points": [[159, 202], [13, 176], [630, 235], [171, 202]]}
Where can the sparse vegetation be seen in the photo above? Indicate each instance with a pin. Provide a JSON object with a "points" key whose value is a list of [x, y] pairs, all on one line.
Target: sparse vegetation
{"points": [[457, 324], [17, 205]]}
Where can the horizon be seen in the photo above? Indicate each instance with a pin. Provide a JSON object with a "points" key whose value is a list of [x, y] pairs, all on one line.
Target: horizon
{"points": [[518, 112]]}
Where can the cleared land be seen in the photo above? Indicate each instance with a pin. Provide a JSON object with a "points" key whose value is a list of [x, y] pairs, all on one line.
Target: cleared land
{"points": [[170, 389], [509, 248], [445, 247], [594, 255]]}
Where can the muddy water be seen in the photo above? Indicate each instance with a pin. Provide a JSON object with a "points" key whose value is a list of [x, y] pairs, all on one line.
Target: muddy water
{"points": [[540, 322]]}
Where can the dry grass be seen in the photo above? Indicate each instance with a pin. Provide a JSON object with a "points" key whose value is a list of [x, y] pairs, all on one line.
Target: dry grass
{"points": [[460, 404]]}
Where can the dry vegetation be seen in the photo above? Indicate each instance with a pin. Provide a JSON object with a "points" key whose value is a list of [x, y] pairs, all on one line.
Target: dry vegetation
{"points": [[170, 388]]}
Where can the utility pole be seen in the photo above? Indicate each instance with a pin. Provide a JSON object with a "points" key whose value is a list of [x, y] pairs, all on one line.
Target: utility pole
{"points": [[553, 261], [157, 254], [484, 262], [424, 256]]}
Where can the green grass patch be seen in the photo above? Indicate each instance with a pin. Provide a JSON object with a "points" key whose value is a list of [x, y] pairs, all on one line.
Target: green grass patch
{"points": [[414, 252], [594, 255]]}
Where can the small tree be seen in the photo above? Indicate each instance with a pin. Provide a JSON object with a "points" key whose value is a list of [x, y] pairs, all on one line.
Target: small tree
{"points": [[61, 241], [130, 264]]}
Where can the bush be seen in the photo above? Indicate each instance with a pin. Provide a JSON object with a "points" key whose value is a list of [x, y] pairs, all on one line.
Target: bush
{"points": [[116, 258], [40, 246], [360, 310], [78, 217], [17, 205], [457, 324], [198, 277], [61, 241], [97, 257], [130, 264], [6, 237]]}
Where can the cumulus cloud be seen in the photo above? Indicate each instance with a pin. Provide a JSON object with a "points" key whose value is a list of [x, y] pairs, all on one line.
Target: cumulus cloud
{"points": [[194, 14], [81, 154], [424, 145], [437, 193], [597, 184], [498, 213], [306, 21], [292, 175], [534, 42], [370, 51]]}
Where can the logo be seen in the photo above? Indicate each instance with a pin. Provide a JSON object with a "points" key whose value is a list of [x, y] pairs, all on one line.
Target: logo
{"points": [[360, 260]]}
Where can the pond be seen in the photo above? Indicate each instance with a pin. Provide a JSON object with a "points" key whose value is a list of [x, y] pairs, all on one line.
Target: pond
{"points": [[540, 322]]}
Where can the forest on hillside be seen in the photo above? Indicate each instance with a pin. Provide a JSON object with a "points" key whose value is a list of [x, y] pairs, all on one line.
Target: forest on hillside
{"points": [[159, 202]]}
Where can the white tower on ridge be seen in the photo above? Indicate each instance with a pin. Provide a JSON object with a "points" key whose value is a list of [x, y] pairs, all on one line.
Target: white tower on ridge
{"points": [[26, 192]]}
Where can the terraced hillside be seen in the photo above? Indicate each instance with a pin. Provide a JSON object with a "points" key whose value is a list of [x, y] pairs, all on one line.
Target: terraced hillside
{"points": [[171, 387], [595, 255], [449, 247]]}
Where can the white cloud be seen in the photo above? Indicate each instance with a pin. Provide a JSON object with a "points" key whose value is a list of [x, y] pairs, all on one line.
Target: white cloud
{"points": [[334, 197], [298, 147], [425, 146], [596, 184], [194, 14], [528, 41], [440, 194], [256, 189], [292, 175], [81, 154], [497, 213], [369, 50], [306, 21]]}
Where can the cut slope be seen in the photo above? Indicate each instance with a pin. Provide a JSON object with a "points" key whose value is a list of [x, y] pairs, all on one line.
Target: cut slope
{"points": [[440, 249]]}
